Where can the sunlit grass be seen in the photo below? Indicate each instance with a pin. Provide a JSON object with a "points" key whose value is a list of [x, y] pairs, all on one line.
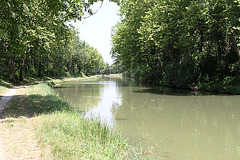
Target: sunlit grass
{"points": [[72, 137], [42, 89], [63, 133], [3, 86], [70, 79], [2, 89]]}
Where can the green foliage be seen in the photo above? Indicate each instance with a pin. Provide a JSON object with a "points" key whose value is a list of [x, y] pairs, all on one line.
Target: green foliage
{"points": [[178, 43], [83, 58], [35, 40], [116, 68], [181, 75]]}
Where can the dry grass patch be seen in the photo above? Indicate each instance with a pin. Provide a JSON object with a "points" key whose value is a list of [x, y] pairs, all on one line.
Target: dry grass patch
{"points": [[3, 91], [18, 139]]}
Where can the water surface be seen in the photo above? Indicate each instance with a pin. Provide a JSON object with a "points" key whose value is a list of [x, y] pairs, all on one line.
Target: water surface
{"points": [[169, 124]]}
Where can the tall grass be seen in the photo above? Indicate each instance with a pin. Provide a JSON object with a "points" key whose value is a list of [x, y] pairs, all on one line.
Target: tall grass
{"points": [[69, 135], [73, 137], [75, 79], [42, 89]]}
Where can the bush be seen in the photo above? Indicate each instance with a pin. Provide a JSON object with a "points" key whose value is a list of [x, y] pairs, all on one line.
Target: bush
{"points": [[182, 75]]}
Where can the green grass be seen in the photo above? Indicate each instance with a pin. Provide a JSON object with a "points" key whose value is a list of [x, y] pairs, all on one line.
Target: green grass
{"points": [[4, 85], [65, 133], [69, 135], [2, 89], [73, 137], [63, 80], [50, 81]]}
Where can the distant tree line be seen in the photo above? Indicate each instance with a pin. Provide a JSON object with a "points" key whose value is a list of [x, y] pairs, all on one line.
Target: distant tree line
{"points": [[36, 41], [181, 43], [113, 69]]}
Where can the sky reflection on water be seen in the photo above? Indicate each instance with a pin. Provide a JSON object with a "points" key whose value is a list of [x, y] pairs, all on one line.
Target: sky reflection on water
{"points": [[169, 125]]}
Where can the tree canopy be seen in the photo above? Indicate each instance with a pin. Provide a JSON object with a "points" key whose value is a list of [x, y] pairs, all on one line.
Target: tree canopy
{"points": [[181, 43], [35, 39]]}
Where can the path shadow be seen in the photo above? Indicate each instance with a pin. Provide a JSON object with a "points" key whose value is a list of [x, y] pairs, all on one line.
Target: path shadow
{"points": [[33, 105]]}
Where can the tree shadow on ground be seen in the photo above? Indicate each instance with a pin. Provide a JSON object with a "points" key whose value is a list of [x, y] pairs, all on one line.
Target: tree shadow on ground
{"points": [[33, 105]]}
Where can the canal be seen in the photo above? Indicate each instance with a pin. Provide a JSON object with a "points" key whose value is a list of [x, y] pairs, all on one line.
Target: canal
{"points": [[168, 123]]}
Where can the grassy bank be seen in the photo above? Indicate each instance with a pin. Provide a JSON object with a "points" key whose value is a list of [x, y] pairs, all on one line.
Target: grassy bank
{"points": [[2, 89], [54, 81], [61, 133], [4, 85], [227, 85], [31, 80], [220, 88]]}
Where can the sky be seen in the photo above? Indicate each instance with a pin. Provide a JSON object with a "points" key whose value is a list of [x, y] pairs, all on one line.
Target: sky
{"points": [[96, 30]]}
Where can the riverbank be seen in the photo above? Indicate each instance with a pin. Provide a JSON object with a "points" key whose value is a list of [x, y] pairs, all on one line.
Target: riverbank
{"points": [[37, 124], [220, 87], [4, 85]]}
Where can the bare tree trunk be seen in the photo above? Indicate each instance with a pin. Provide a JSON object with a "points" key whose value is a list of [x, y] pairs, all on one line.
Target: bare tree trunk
{"points": [[235, 46], [86, 69], [47, 64], [39, 69], [73, 68], [12, 68], [21, 70]]}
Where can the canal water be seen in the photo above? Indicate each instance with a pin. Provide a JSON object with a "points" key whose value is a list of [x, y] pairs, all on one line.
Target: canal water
{"points": [[169, 124]]}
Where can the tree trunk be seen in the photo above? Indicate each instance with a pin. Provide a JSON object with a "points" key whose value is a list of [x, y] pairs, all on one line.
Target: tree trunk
{"points": [[86, 69], [39, 69], [73, 68], [235, 46], [47, 64], [12, 68], [21, 70]]}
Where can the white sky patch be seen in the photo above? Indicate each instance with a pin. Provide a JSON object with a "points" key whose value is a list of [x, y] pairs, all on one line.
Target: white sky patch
{"points": [[96, 30]]}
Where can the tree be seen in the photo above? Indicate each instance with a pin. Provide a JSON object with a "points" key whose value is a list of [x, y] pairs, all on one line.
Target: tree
{"points": [[178, 43], [34, 37]]}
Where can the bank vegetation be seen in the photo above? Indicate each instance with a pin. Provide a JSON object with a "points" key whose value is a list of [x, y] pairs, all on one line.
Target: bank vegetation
{"points": [[191, 44], [56, 130]]}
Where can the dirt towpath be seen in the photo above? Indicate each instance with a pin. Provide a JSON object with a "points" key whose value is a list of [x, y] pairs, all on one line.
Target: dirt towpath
{"points": [[6, 98], [17, 141], [10, 93]]}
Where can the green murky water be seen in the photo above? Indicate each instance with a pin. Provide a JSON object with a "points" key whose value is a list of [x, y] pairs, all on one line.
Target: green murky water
{"points": [[169, 124]]}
